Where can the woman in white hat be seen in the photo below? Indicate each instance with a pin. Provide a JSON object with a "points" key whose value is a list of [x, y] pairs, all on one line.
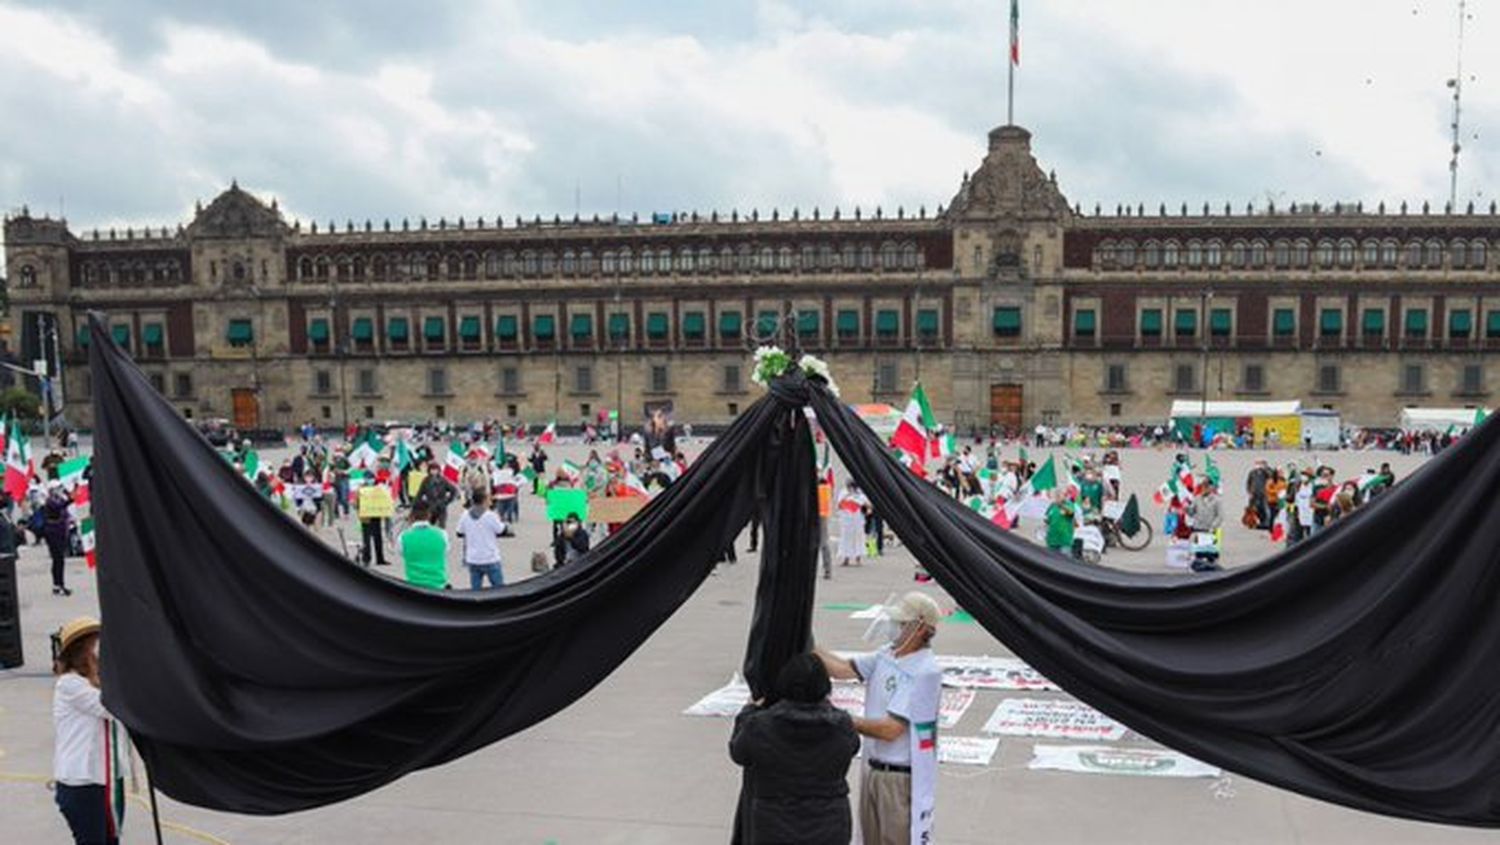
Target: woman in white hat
{"points": [[87, 751]]}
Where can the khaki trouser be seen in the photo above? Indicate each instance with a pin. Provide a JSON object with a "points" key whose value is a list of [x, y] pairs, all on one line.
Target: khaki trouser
{"points": [[885, 808]]}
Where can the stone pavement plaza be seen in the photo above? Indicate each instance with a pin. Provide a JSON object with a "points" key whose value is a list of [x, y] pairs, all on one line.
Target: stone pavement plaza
{"points": [[623, 765]]}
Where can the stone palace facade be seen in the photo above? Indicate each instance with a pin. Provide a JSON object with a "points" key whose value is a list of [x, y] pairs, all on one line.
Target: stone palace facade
{"points": [[1010, 306]]}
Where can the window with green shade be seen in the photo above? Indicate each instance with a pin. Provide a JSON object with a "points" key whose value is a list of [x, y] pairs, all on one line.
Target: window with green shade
{"points": [[619, 326], [1416, 322], [887, 323], [729, 324], [927, 322], [694, 325], [544, 327], [433, 329], [807, 323], [468, 329], [241, 333], [1186, 324], [317, 330], [1374, 322], [1331, 322], [1460, 323], [1219, 321], [121, 334], [848, 323], [151, 334], [398, 329], [657, 325], [768, 324], [83, 336], [1084, 324], [1151, 322], [1492, 324], [1284, 322], [507, 327], [1007, 321], [583, 326], [363, 330]]}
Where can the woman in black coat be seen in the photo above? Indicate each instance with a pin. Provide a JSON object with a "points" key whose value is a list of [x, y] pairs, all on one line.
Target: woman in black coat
{"points": [[796, 755]]}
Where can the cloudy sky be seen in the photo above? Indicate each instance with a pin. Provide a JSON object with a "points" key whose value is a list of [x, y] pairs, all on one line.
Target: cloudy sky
{"points": [[126, 111]]}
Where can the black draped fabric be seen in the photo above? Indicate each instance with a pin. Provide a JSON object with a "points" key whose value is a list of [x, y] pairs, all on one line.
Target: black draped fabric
{"points": [[258, 671], [1359, 667]]}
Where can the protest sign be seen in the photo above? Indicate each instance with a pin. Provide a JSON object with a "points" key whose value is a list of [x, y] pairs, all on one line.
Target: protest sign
{"points": [[1052, 717], [1007, 673], [564, 501], [1114, 760], [610, 509], [967, 750]]}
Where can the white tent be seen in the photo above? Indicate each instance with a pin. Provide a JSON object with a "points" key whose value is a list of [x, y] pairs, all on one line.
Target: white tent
{"points": [[1190, 408], [1438, 419]]}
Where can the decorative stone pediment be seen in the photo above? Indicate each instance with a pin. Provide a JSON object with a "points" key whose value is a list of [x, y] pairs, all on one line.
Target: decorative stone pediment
{"points": [[1009, 184], [236, 214]]}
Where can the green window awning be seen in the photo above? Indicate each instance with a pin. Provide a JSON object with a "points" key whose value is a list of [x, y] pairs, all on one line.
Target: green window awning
{"points": [[317, 330], [1151, 321], [807, 323], [694, 324], [1186, 323], [398, 329], [433, 329], [1219, 321], [619, 326], [364, 329], [582, 326], [1331, 322], [544, 326], [1284, 322], [507, 327], [1007, 320], [469, 328], [1416, 321], [151, 334], [768, 323], [1374, 321], [656, 325], [927, 321], [887, 323], [121, 334], [848, 323], [83, 336], [1460, 322], [240, 331], [1492, 324], [1084, 322], [729, 323]]}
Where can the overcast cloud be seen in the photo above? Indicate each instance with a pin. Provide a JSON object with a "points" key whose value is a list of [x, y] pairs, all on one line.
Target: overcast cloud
{"points": [[125, 113]]}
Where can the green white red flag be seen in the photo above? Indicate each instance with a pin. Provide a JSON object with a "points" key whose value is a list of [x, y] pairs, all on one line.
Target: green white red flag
{"points": [[453, 465], [86, 534], [1015, 32], [18, 468], [548, 435], [916, 426]]}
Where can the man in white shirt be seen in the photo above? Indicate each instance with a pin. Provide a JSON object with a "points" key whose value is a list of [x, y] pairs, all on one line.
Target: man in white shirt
{"points": [[902, 698], [481, 530]]}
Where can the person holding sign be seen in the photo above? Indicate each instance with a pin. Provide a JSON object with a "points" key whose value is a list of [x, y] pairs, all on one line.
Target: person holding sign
{"points": [[903, 693], [481, 531], [373, 508]]}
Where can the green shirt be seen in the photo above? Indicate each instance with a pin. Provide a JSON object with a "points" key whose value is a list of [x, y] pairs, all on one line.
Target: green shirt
{"points": [[1060, 527], [425, 551]]}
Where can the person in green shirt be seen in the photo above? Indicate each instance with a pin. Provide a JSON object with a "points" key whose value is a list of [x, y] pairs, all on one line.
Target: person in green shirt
{"points": [[1060, 526], [424, 549], [1091, 491]]}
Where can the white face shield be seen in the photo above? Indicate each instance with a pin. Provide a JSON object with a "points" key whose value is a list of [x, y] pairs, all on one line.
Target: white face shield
{"points": [[883, 630]]}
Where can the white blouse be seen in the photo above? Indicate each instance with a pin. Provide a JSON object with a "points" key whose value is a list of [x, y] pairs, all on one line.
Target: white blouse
{"points": [[82, 729]]}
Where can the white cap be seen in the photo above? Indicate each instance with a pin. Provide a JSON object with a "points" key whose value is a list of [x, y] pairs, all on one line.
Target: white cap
{"points": [[916, 607]]}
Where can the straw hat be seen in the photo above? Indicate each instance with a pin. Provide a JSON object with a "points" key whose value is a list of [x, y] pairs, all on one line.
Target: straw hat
{"points": [[917, 607], [75, 631]]}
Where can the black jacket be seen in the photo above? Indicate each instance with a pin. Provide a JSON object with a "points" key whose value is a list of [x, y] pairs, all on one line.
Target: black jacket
{"points": [[796, 758]]}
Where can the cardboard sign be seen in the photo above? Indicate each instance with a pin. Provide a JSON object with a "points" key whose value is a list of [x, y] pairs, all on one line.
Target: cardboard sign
{"points": [[375, 502], [564, 501], [1052, 717], [611, 509]]}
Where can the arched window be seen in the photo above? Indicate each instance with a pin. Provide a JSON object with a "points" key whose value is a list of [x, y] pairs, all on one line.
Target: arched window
{"points": [[138, 272], [529, 263], [1325, 253], [549, 262], [1237, 254], [726, 260], [345, 268], [890, 258], [1388, 252], [586, 262], [809, 257], [1151, 255], [1258, 254], [1369, 254], [744, 259], [304, 268], [434, 266], [491, 264], [455, 267], [648, 260], [1414, 255], [28, 276], [1107, 255], [607, 263], [850, 257], [471, 266], [827, 257], [378, 268], [1458, 255], [867, 257], [569, 262], [1346, 253], [1434, 255], [1478, 255], [1282, 254], [784, 258], [1301, 253], [509, 264], [627, 260], [321, 268], [706, 261], [1194, 254], [359, 268], [767, 258], [1213, 254], [686, 260], [1125, 255], [1169, 255]]}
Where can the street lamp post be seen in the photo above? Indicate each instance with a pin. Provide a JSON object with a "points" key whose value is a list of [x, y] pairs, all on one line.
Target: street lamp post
{"points": [[1207, 298]]}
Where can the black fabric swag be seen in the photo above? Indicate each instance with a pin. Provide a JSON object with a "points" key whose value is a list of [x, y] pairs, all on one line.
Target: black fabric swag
{"points": [[260, 672]]}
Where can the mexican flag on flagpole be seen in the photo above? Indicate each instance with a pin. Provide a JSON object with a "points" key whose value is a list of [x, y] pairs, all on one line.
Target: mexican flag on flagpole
{"points": [[548, 435], [1015, 32], [86, 534], [1031, 499], [1211, 469], [453, 465], [917, 423], [70, 473], [18, 470], [945, 445], [366, 453]]}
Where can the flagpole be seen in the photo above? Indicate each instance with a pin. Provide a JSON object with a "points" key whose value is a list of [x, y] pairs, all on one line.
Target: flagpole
{"points": [[1012, 58], [1010, 92]]}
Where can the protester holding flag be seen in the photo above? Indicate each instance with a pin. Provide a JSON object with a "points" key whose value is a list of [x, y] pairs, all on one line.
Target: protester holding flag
{"points": [[1061, 525], [57, 527], [88, 746]]}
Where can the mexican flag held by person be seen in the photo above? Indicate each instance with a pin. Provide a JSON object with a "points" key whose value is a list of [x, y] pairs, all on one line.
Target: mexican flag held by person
{"points": [[70, 473], [18, 468], [917, 424], [453, 465], [1278, 527], [1032, 498], [86, 535], [548, 435]]}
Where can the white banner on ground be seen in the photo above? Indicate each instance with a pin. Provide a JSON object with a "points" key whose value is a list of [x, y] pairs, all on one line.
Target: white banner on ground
{"points": [[967, 750], [1052, 717], [726, 701], [1113, 760], [991, 673]]}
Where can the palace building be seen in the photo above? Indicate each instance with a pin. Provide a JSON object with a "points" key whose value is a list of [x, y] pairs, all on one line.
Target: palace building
{"points": [[1009, 305]]}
